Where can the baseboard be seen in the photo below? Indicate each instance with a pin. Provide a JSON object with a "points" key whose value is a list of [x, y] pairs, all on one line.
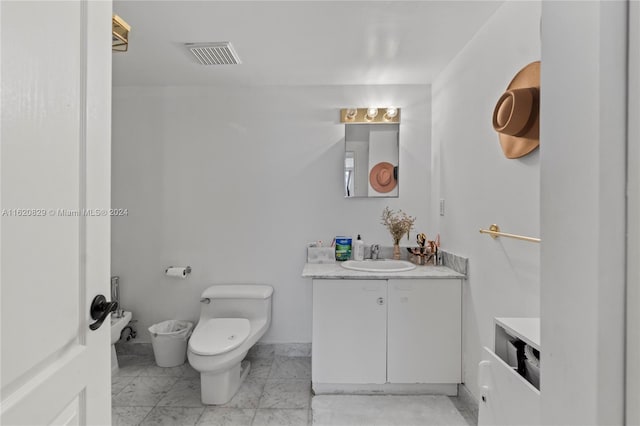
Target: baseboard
{"points": [[259, 350], [466, 397], [269, 350], [134, 348], [467, 404], [385, 389]]}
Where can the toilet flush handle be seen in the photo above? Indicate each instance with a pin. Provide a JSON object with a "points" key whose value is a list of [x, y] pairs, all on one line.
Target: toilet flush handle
{"points": [[205, 300]]}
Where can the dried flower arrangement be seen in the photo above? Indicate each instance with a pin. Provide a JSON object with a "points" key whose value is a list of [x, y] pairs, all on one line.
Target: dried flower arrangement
{"points": [[398, 223]]}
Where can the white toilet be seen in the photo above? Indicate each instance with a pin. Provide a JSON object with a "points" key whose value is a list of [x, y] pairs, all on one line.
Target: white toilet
{"points": [[232, 319]]}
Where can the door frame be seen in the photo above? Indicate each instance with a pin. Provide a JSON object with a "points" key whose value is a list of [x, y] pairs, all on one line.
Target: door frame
{"points": [[633, 227]]}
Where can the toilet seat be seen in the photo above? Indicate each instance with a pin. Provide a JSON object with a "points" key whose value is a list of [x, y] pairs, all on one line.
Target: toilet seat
{"points": [[217, 336]]}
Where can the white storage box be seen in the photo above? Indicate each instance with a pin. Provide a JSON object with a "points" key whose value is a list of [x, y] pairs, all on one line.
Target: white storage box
{"points": [[321, 254]]}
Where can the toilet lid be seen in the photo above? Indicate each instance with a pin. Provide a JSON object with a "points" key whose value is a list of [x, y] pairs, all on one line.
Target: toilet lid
{"points": [[216, 336]]}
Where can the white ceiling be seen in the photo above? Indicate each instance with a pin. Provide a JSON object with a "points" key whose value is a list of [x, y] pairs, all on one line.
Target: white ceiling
{"points": [[296, 42]]}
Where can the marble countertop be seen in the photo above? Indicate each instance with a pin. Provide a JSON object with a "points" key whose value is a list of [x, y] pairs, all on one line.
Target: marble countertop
{"points": [[335, 271]]}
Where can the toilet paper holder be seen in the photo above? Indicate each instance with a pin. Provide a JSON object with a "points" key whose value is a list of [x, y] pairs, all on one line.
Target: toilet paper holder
{"points": [[187, 270]]}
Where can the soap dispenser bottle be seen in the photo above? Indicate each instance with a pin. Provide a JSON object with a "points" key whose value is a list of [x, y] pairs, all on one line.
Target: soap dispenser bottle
{"points": [[358, 249]]}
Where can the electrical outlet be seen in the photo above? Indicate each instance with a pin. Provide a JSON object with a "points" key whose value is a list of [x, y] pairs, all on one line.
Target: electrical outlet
{"points": [[442, 207]]}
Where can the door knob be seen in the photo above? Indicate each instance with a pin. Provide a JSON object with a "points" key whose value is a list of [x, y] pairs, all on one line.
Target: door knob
{"points": [[100, 310], [380, 301]]}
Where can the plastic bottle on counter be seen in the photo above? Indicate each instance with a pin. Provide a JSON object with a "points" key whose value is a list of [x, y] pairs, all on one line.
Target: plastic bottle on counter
{"points": [[358, 249]]}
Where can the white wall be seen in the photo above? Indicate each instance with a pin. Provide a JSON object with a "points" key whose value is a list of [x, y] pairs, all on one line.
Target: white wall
{"points": [[583, 212], [235, 181], [480, 186]]}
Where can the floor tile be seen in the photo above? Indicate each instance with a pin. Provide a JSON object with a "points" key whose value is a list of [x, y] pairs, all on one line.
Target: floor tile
{"points": [[261, 351], [172, 416], [260, 368], [185, 370], [294, 349], [184, 393], [279, 386], [286, 394], [248, 396], [221, 416], [118, 383], [144, 391], [291, 368], [281, 417], [135, 360], [132, 365], [189, 372], [128, 416]]}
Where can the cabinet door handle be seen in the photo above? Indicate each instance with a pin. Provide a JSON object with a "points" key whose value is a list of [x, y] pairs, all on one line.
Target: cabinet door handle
{"points": [[380, 301]]}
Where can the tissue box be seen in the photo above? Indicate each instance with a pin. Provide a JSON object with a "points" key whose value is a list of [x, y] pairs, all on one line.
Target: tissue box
{"points": [[321, 255]]}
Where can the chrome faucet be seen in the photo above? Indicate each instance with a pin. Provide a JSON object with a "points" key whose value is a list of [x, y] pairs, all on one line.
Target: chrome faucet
{"points": [[375, 251]]}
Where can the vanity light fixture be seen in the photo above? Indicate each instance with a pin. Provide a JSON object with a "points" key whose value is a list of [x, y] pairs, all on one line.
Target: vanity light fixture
{"points": [[370, 115]]}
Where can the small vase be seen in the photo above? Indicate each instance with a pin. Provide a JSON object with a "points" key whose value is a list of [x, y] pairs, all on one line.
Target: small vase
{"points": [[396, 251]]}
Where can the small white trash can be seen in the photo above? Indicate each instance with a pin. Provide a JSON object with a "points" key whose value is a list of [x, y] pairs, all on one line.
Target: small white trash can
{"points": [[169, 340]]}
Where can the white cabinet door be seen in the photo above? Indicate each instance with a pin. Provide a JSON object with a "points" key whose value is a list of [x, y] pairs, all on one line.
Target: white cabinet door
{"points": [[425, 331], [349, 331], [506, 397]]}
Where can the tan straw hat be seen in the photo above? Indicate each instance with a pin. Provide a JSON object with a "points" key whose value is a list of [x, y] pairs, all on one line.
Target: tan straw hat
{"points": [[516, 115], [382, 177]]}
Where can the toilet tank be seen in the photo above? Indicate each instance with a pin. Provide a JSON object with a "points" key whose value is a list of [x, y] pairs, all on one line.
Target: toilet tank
{"points": [[251, 301]]}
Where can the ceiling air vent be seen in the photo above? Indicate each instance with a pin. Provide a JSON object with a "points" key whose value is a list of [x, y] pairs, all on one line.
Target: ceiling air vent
{"points": [[221, 53]]}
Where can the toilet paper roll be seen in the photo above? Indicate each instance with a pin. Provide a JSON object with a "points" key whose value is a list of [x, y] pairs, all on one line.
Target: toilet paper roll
{"points": [[176, 271]]}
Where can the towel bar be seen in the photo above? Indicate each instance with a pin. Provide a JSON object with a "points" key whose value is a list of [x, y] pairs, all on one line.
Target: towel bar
{"points": [[494, 232]]}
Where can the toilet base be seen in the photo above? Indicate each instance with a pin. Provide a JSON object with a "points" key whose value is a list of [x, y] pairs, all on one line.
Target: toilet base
{"points": [[219, 388]]}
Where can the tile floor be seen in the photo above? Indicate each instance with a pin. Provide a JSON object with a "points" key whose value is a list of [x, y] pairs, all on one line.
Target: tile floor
{"points": [[276, 392]]}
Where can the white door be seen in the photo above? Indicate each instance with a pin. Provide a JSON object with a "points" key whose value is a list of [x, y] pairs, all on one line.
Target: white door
{"points": [[55, 161], [349, 331]]}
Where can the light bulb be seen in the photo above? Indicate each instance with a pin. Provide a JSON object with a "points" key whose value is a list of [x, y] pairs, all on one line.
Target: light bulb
{"points": [[351, 113], [372, 113], [391, 113]]}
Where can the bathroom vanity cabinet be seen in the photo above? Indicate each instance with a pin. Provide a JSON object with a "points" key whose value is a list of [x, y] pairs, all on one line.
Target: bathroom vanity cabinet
{"points": [[387, 335]]}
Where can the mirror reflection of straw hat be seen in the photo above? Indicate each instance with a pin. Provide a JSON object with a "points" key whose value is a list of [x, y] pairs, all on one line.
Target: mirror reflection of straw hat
{"points": [[382, 177], [516, 116]]}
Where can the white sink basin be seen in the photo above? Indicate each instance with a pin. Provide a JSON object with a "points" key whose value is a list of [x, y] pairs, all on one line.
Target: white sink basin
{"points": [[385, 265]]}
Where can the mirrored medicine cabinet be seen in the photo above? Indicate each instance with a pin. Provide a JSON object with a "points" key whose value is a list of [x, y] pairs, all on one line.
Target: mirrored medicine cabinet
{"points": [[371, 152]]}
